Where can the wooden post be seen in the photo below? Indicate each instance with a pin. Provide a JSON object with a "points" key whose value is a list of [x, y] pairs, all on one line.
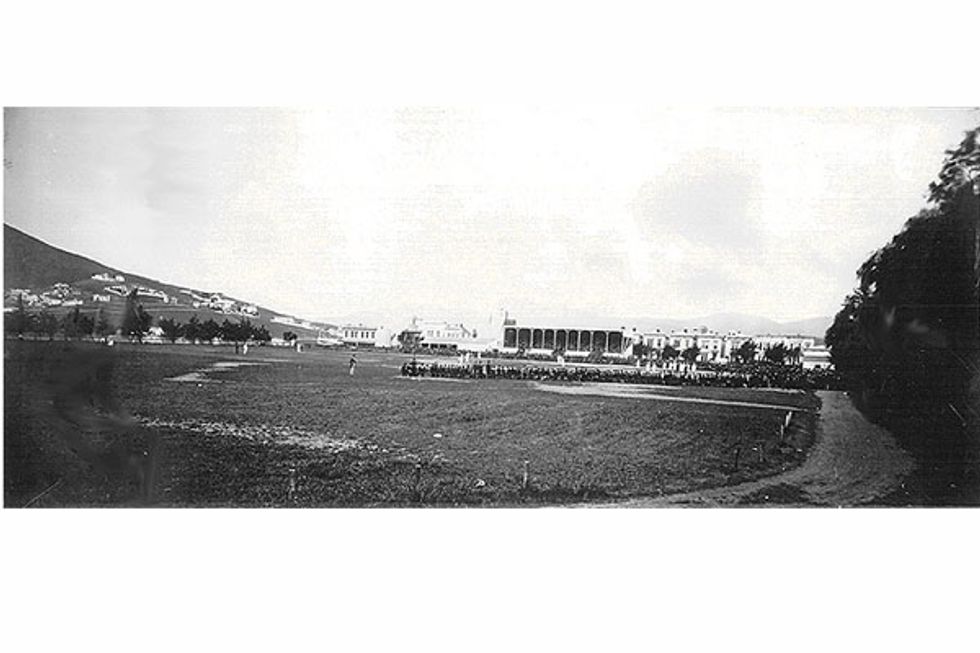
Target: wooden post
{"points": [[291, 495], [418, 481], [524, 479]]}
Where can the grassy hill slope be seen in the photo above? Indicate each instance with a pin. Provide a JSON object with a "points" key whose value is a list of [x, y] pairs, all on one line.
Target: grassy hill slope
{"points": [[32, 264]]}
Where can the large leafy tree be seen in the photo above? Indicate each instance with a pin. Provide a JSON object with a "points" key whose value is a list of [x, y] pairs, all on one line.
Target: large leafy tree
{"points": [[102, 325], [47, 324], [261, 334], [906, 340], [209, 330], [136, 321], [20, 321], [745, 353], [172, 329], [69, 324], [86, 324], [192, 330], [776, 354], [960, 167], [691, 354]]}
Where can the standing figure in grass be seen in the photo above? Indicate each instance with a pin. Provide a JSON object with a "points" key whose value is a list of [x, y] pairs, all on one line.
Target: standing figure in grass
{"points": [[352, 364]]}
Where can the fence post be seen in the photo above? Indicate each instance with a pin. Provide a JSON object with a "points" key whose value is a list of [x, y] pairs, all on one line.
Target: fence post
{"points": [[524, 479], [418, 481], [784, 426], [291, 494]]}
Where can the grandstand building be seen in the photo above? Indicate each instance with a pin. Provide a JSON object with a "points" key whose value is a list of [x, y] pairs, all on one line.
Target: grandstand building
{"points": [[544, 340]]}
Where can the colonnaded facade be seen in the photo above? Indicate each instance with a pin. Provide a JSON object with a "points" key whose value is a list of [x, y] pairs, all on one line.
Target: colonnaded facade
{"points": [[571, 341]]}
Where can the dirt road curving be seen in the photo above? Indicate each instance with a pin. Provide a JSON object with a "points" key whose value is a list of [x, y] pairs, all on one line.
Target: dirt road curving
{"points": [[852, 463]]}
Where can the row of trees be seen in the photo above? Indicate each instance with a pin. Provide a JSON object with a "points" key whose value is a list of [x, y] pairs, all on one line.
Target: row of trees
{"points": [[136, 323], [72, 325], [196, 331], [778, 354], [906, 341]]}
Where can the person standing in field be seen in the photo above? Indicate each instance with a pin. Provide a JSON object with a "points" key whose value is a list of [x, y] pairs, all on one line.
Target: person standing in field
{"points": [[352, 364]]}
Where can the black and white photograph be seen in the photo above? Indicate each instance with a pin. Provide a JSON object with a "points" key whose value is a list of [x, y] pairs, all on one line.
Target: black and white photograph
{"points": [[505, 327], [491, 307]]}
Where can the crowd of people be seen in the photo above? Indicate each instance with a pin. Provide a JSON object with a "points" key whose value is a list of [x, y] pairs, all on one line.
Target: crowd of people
{"points": [[750, 375]]}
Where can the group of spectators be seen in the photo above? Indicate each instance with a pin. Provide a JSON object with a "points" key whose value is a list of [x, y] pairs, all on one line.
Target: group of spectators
{"points": [[751, 375]]}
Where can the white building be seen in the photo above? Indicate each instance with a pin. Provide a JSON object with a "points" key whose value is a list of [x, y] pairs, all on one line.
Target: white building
{"points": [[440, 334], [142, 291], [105, 276], [790, 342], [221, 304], [358, 335], [656, 340], [711, 346], [817, 358], [25, 295]]}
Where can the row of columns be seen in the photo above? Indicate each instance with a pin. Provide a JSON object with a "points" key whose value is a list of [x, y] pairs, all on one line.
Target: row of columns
{"points": [[564, 339]]}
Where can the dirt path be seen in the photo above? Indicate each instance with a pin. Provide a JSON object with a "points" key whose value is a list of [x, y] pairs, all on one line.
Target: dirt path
{"points": [[644, 392], [852, 463]]}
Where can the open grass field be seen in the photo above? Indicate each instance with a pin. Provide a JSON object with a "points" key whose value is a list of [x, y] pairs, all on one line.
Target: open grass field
{"points": [[275, 428]]}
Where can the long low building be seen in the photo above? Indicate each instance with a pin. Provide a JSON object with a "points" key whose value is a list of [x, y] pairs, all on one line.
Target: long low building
{"points": [[572, 341]]}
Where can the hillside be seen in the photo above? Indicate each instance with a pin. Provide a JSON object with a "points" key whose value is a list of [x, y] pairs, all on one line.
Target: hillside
{"points": [[58, 281], [30, 263]]}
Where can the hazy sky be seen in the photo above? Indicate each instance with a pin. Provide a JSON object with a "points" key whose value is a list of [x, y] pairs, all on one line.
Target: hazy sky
{"points": [[452, 213]]}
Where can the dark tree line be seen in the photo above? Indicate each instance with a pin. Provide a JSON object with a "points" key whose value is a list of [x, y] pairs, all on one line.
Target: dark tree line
{"points": [[74, 325], [196, 331], [135, 324], [906, 340]]}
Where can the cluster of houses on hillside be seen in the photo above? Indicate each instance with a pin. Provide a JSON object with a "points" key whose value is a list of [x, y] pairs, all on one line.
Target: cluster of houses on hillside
{"points": [[63, 294], [219, 304], [507, 336], [108, 277], [59, 294]]}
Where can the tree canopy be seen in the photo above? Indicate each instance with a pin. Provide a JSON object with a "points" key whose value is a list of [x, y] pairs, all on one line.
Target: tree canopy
{"points": [[906, 339]]}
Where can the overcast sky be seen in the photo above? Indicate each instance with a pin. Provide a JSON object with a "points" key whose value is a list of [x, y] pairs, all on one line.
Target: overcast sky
{"points": [[455, 212]]}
